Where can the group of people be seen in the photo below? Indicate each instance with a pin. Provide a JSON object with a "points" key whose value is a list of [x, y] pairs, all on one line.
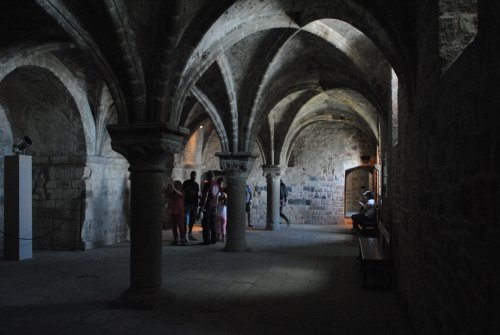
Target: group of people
{"points": [[213, 210], [186, 204], [182, 205]]}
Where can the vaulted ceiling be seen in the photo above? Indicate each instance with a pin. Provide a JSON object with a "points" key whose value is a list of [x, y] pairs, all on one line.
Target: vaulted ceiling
{"points": [[259, 70]]}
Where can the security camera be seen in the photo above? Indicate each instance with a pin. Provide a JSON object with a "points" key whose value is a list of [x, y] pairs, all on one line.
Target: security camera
{"points": [[21, 146]]}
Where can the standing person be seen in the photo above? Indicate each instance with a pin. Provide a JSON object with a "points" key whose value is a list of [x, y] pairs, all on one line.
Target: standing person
{"points": [[208, 205], [248, 204], [366, 215], [191, 199], [283, 200], [176, 211], [221, 213]]}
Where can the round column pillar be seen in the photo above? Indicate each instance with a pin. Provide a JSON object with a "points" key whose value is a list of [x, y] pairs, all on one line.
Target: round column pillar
{"points": [[150, 149], [236, 167], [273, 174]]}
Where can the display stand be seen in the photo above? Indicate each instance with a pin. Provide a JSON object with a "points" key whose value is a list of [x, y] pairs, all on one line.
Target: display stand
{"points": [[17, 206]]}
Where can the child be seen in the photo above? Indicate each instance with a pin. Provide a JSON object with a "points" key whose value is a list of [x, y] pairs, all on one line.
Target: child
{"points": [[176, 211], [221, 213]]}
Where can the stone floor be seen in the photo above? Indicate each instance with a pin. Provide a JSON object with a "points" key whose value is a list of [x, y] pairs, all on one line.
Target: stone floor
{"points": [[301, 279]]}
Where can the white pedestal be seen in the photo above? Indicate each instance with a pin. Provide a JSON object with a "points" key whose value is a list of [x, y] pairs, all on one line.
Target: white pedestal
{"points": [[17, 206]]}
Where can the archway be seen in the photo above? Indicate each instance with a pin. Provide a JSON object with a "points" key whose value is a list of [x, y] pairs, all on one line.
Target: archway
{"points": [[357, 181], [36, 104]]}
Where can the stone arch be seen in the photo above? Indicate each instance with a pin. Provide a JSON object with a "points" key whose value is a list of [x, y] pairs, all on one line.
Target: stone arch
{"points": [[363, 119], [191, 153], [264, 17], [33, 57], [39, 105], [94, 182], [210, 147], [321, 153], [228, 77], [326, 30], [214, 117], [357, 180]]}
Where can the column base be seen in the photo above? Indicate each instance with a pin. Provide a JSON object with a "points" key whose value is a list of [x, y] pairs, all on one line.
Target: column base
{"points": [[273, 226], [236, 245], [144, 299]]}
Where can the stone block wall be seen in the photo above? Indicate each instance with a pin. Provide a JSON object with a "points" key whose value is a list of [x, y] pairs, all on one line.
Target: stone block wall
{"points": [[445, 220], [58, 192], [79, 205], [322, 153]]}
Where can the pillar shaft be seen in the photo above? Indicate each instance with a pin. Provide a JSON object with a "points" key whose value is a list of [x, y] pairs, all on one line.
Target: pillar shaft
{"points": [[150, 149], [236, 167], [273, 174], [236, 215]]}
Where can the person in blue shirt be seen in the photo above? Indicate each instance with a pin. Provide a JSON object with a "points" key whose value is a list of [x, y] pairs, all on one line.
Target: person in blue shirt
{"points": [[248, 203], [283, 201]]}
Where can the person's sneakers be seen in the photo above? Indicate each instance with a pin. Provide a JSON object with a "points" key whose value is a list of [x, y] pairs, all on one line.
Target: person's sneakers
{"points": [[183, 242], [287, 222], [204, 243], [191, 238], [250, 225]]}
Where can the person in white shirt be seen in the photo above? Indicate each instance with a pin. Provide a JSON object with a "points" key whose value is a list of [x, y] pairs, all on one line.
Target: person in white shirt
{"points": [[221, 213], [366, 215]]}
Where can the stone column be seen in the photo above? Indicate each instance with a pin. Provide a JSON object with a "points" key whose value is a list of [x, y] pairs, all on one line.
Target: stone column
{"points": [[150, 149], [236, 167], [273, 174]]}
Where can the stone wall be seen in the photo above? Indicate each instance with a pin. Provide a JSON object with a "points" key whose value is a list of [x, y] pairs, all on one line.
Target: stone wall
{"points": [[78, 205], [357, 182], [210, 161], [107, 186], [322, 153], [445, 219], [57, 202]]}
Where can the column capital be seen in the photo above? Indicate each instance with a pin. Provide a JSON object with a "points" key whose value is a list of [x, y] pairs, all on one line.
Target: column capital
{"points": [[272, 170], [147, 146], [236, 164]]}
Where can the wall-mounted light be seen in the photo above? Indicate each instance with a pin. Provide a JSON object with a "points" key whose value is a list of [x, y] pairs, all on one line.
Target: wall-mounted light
{"points": [[21, 146]]}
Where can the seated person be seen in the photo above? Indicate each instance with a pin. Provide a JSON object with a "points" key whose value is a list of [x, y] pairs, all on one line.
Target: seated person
{"points": [[366, 215]]}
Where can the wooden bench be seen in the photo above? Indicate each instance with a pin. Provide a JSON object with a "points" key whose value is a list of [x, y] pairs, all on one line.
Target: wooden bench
{"points": [[370, 228], [374, 253]]}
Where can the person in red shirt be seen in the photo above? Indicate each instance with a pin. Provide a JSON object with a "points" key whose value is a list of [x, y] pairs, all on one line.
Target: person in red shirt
{"points": [[176, 211]]}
